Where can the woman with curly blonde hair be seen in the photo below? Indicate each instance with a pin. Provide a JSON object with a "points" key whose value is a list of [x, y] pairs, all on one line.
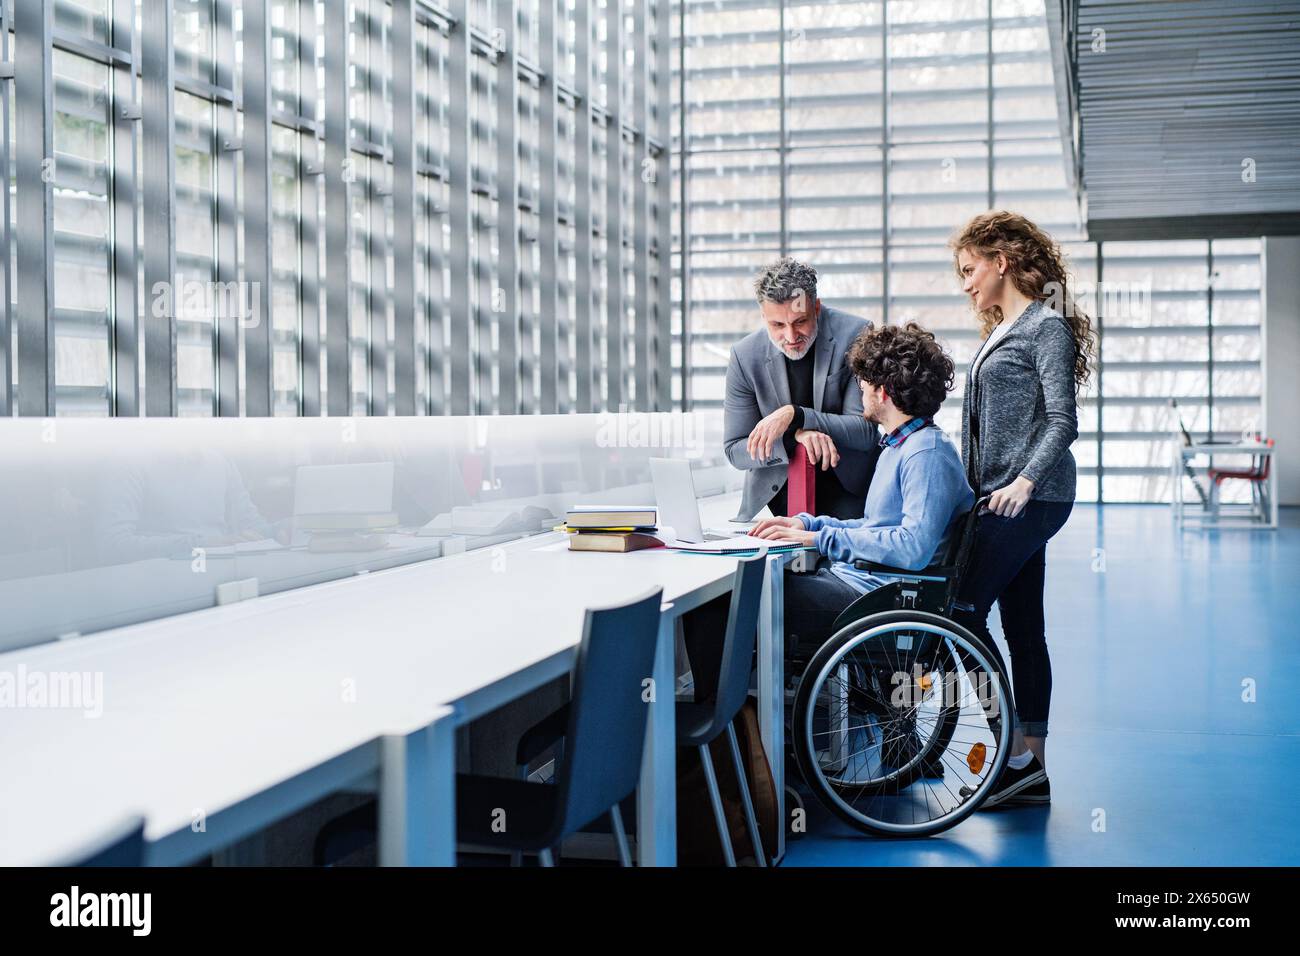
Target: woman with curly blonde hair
{"points": [[1019, 418]]}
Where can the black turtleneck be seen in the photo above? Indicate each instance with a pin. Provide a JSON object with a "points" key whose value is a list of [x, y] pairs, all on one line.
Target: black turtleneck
{"points": [[832, 498]]}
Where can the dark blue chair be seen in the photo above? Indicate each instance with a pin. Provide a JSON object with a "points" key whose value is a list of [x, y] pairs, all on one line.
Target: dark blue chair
{"points": [[702, 721], [123, 845], [603, 728]]}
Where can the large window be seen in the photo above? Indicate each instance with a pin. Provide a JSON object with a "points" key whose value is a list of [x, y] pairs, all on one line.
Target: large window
{"points": [[448, 177], [860, 136], [1194, 338]]}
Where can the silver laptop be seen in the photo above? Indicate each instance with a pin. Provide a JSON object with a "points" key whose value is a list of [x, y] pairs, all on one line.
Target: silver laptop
{"points": [[678, 507], [365, 488]]}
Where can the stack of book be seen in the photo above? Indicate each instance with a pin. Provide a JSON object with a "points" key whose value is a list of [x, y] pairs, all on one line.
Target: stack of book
{"points": [[616, 528], [337, 531]]}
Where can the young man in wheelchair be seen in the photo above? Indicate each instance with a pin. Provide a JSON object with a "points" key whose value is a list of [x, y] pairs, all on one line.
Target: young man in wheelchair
{"points": [[918, 491], [873, 714]]}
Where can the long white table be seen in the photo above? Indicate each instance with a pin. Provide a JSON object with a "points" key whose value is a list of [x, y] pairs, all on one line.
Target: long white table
{"points": [[218, 722]]}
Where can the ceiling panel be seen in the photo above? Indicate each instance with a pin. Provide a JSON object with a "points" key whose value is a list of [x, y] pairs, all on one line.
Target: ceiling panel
{"points": [[1185, 115]]}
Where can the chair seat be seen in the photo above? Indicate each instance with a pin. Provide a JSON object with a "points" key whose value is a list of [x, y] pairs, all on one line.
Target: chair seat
{"points": [[530, 818], [1218, 475], [530, 812]]}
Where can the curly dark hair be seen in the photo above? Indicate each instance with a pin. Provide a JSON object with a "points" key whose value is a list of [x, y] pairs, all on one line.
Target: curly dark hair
{"points": [[907, 362]]}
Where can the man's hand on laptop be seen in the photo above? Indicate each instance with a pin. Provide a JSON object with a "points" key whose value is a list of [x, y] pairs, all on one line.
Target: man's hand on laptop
{"points": [[783, 529], [821, 447], [768, 432], [776, 523]]}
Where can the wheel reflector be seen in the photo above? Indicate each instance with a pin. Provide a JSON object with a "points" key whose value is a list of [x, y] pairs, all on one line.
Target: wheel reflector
{"points": [[975, 759]]}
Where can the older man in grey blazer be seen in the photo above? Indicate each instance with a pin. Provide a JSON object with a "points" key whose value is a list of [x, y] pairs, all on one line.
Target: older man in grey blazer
{"points": [[788, 384]]}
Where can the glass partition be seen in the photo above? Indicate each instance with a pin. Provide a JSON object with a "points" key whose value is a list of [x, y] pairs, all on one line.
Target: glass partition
{"points": [[115, 522]]}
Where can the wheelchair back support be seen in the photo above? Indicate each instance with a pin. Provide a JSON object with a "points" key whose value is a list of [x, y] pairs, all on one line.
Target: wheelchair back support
{"points": [[932, 589]]}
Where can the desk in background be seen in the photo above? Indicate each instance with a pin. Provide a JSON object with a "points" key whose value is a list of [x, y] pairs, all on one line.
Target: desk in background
{"points": [[1207, 517]]}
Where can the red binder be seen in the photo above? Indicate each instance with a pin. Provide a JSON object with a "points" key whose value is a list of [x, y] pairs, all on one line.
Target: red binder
{"points": [[801, 480]]}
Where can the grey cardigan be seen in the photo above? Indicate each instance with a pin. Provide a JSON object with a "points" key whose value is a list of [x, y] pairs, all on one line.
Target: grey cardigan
{"points": [[1021, 396]]}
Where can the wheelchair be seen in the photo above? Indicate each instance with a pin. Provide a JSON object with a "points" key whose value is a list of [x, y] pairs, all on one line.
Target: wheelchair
{"points": [[900, 723]]}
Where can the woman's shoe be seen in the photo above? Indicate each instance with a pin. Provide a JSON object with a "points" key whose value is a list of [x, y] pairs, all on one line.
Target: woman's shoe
{"points": [[1029, 783], [1039, 795]]}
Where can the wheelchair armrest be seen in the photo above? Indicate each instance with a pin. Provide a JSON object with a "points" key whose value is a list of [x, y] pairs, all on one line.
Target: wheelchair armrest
{"points": [[935, 571]]}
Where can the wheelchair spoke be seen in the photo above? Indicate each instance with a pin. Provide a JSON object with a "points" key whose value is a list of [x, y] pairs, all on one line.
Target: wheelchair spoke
{"points": [[824, 733]]}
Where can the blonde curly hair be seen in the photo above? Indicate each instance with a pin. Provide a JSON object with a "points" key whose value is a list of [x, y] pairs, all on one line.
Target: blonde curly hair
{"points": [[1036, 268]]}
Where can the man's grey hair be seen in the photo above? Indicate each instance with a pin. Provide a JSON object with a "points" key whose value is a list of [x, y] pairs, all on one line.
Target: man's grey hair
{"points": [[785, 280]]}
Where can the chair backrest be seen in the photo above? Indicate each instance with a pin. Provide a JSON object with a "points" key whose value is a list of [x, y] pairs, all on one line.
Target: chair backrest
{"points": [[945, 556], [608, 710], [740, 640], [957, 536], [964, 541]]}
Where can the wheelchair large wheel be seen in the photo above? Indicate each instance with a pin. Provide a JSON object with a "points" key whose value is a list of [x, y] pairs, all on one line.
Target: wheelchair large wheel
{"points": [[886, 699]]}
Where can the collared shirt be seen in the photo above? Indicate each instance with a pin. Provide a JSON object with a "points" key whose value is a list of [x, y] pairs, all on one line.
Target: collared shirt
{"points": [[899, 434]]}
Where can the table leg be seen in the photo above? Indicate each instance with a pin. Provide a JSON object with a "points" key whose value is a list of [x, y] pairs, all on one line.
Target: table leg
{"points": [[417, 797], [1214, 496], [1272, 495], [1179, 480], [771, 682], [656, 810]]}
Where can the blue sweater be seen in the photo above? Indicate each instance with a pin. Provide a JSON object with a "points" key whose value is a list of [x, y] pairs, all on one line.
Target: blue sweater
{"points": [[918, 491]]}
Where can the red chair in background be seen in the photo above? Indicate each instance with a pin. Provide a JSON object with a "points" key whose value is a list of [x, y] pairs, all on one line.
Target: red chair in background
{"points": [[1256, 474]]}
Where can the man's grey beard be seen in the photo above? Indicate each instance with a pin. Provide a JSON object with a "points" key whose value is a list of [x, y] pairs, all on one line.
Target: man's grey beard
{"points": [[812, 340]]}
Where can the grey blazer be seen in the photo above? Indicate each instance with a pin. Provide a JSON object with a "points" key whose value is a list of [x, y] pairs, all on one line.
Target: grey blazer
{"points": [[1022, 394], [757, 386]]}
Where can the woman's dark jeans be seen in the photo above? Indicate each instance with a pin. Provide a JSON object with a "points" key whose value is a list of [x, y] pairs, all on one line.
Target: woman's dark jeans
{"points": [[1007, 565]]}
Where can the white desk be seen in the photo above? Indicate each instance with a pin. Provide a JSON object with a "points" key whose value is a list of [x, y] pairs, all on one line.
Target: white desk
{"points": [[214, 725], [247, 712], [1205, 518]]}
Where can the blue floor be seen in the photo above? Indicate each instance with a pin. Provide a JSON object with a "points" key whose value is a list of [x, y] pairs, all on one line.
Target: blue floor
{"points": [[1148, 724]]}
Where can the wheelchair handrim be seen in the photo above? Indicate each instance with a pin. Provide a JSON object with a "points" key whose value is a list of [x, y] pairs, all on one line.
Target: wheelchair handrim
{"points": [[984, 661]]}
